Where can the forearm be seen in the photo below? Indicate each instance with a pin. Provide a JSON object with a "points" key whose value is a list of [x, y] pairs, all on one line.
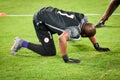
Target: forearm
{"points": [[63, 46], [93, 40]]}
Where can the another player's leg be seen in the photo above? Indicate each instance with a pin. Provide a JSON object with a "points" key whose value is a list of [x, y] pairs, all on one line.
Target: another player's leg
{"points": [[111, 8]]}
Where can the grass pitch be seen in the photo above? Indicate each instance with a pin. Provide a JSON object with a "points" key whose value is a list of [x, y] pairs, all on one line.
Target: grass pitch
{"points": [[27, 65]]}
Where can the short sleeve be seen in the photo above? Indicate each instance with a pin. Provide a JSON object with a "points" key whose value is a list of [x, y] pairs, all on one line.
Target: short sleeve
{"points": [[73, 33]]}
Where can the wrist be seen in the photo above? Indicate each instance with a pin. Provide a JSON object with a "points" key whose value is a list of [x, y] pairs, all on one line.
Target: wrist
{"points": [[96, 46], [65, 58]]}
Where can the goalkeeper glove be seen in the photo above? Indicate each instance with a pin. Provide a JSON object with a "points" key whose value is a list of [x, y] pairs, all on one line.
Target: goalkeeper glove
{"points": [[70, 60], [98, 48]]}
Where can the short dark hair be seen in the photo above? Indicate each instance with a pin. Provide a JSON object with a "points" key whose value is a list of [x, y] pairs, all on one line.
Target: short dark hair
{"points": [[88, 29]]}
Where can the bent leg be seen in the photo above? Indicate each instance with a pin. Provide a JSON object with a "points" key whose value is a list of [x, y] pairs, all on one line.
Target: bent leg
{"points": [[47, 47], [111, 8]]}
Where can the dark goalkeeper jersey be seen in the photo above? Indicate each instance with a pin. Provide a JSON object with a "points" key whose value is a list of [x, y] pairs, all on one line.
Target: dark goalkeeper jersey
{"points": [[58, 21]]}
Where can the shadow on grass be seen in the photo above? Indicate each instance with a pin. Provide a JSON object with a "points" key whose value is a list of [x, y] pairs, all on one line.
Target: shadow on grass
{"points": [[29, 55], [32, 55], [83, 47], [112, 26]]}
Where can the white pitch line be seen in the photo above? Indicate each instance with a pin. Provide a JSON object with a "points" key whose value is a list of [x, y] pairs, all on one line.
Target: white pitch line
{"points": [[20, 15], [115, 14]]}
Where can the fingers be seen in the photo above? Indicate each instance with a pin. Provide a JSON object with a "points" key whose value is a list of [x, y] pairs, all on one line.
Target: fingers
{"points": [[103, 49], [98, 48], [70, 60]]}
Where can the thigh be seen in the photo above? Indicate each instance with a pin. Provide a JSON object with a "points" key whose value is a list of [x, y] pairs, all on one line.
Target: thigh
{"points": [[45, 37]]}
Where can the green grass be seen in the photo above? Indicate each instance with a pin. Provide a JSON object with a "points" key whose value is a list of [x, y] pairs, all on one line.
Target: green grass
{"points": [[27, 65]]}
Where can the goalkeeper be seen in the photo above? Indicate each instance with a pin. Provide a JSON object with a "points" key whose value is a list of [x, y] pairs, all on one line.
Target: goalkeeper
{"points": [[68, 25]]}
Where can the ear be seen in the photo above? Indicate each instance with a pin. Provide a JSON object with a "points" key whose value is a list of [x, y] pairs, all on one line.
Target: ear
{"points": [[83, 35]]}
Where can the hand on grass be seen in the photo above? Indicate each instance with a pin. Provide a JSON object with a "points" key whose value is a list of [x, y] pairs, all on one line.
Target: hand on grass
{"points": [[71, 60], [98, 48], [103, 49]]}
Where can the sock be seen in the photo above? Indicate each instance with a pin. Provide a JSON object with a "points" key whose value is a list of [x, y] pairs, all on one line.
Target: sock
{"points": [[25, 44]]}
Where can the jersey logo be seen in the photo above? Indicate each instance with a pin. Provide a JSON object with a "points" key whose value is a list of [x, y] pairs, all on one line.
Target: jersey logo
{"points": [[65, 14]]}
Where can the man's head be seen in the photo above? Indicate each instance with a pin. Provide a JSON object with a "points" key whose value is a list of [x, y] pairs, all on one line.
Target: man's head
{"points": [[88, 30]]}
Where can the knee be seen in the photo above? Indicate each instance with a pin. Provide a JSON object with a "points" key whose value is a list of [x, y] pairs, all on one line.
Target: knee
{"points": [[52, 52], [49, 53]]}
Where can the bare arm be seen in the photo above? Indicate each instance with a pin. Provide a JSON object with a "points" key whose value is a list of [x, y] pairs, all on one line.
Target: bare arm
{"points": [[63, 48], [63, 43], [93, 40]]}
